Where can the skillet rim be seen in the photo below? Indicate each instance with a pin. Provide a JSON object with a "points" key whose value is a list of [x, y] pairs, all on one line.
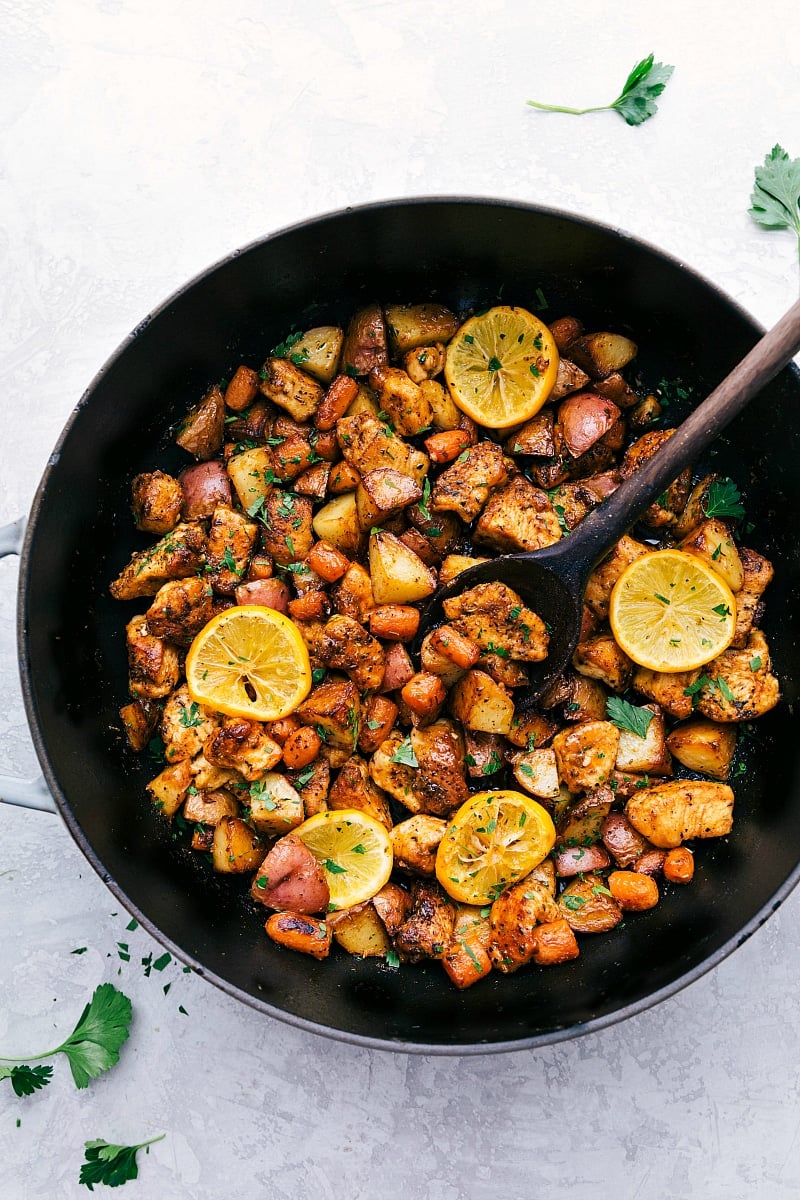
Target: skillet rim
{"points": [[552, 1037]]}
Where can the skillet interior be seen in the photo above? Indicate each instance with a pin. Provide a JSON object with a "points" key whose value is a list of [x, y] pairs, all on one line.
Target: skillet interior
{"points": [[71, 632]]}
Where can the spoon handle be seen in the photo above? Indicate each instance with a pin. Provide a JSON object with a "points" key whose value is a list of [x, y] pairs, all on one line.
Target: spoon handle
{"points": [[598, 532]]}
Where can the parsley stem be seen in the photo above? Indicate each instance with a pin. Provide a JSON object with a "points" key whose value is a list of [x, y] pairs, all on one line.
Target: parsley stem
{"points": [[576, 112]]}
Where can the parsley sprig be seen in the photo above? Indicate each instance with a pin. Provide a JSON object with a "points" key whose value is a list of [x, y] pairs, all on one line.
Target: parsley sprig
{"points": [[637, 100], [110, 1164], [722, 499], [91, 1048], [775, 201], [628, 716]]}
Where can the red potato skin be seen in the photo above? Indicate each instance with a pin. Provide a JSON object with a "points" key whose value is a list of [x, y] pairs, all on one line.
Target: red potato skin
{"points": [[272, 593], [205, 485], [290, 878], [399, 668], [585, 418], [577, 859]]}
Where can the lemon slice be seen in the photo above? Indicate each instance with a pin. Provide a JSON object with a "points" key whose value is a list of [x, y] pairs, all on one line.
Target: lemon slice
{"points": [[249, 661], [493, 841], [355, 851], [501, 366], [670, 611]]}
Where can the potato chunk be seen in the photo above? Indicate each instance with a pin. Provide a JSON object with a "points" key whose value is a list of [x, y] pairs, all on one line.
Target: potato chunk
{"points": [[519, 517], [465, 487], [334, 709], [360, 931], [740, 684], [275, 806], [319, 350], [599, 657], [586, 907], [398, 575], [412, 325], [712, 542], [365, 342], [675, 812], [648, 754], [201, 431], [586, 754], [353, 788], [494, 617], [337, 523], [537, 773], [168, 789], [705, 746], [382, 493], [480, 703]]}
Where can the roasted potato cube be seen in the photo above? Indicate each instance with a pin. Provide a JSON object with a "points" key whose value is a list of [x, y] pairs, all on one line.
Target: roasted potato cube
{"points": [[676, 812], [485, 753], [712, 542], [694, 512], [587, 908], [415, 842], [494, 617], [180, 609], [602, 579], [401, 399], [313, 784], [564, 331], [601, 353], [231, 539], [535, 436], [758, 574], [180, 553], [705, 746], [208, 808], [379, 718], [625, 843], [428, 929], [290, 388], [519, 517], [236, 847], [391, 773], [465, 487], [570, 378], [648, 754], [157, 502], [244, 746], [168, 789], [287, 530], [353, 788], [537, 773], [185, 726], [382, 493], [296, 931], [531, 729], [399, 576], [153, 665], [480, 703], [365, 342], [360, 931], [399, 668], [577, 860], [740, 684], [670, 690], [207, 777], [202, 430], [580, 824], [139, 719], [586, 754], [252, 474], [586, 699], [505, 671], [337, 522], [454, 564], [412, 325], [599, 657], [334, 709], [514, 917], [275, 806], [368, 444], [291, 878], [318, 351]]}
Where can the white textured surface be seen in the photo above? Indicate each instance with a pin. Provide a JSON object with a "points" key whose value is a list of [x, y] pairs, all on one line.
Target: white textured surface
{"points": [[140, 141]]}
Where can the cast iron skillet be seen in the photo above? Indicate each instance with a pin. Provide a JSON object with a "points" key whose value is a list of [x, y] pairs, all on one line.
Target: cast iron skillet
{"points": [[462, 252]]}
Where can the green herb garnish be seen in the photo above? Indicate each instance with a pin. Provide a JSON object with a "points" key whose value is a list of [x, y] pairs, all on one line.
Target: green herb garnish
{"points": [[637, 100], [628, 716], [110, 1164]]}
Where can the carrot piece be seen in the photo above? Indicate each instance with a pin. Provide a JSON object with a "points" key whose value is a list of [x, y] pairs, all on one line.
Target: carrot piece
{"points": [[633, 891], [301, 748], [554, 942], [309, 935], [424, 693], [282, 729], [377, 724], [343, 478], [453, 645], [466, 961], [328, 562], [326, 445], [336, 401], [242, 389], [310, 607], [446, 446], [261, 567], [679, 865], [395, 622]]}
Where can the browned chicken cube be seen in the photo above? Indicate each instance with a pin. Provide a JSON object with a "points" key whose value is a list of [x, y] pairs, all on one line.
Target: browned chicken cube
{"points": [[353, 788], [465, 487], [178, 554], [153, 665], [290, 388], [428, 929], [157, 502], [665, 510], [740, 684], [287, 534], [586, 754], [243, 746], [599, 657], [401, 399], [346, 645], [602, 579], [514, 917], [519, 517], [415, 842], [180, 609], [368, 444], [389, 767], [439, 782], [758, 573], [494, 616], [334, 709], [185, 726], [352, 595], [231, 539], [676, 812], [671, 690]]}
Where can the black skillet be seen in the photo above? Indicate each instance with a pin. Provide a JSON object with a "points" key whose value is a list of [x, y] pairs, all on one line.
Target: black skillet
{"points": [[464, 253]]}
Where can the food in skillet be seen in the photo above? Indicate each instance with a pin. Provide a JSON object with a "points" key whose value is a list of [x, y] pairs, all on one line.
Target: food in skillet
{"points": [[413, 809]]}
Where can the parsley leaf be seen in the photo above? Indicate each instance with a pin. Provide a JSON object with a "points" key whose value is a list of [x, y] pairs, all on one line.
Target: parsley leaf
{"points": [[26, 1080], [423, 503], [110, 1164], [775, 202], [637, 100], [628, 716], [404, 754], [722, 500]]}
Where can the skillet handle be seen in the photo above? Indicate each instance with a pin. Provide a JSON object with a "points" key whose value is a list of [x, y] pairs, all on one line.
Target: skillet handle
{"points": [[28, 793]]}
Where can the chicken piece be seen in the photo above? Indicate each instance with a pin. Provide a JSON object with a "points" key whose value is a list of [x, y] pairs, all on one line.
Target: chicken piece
{"points": [[392, 904], [286, 533], [347, 646], [586, 754], [665, 510], [353, 788], [599, 657], [494, 616], [153, 665], [291, 878], [177, 555], [401, 399], [671, 691], [180, 609], [313, 784], [334, 709], [352, 595], [426, 362], [207, 777], [465, 487], [537, 773], [185, 726], [758, 573], [740, 684], [290, 388], [466, 959], [415, 842], [514, 917], [676, 812], [519, 517], [139, 719], [157, 502], [231, 539], [481, 704], [440, 784], [428, 929], [244, 746], [368, 444], [602, 579], [648, 754]]}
